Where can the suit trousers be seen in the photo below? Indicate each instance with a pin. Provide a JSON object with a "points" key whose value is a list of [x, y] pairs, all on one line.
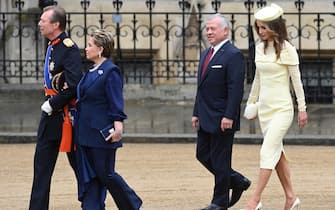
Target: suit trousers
{"points": [[103, 163], [46, 153], [214, 151]]}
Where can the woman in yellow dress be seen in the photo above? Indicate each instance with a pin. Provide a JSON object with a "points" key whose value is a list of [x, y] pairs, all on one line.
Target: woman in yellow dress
{"points": [[277, 63]]}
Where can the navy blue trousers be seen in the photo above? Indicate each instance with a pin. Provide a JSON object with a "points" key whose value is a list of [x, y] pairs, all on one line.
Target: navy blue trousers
{"points": [[214, 152], [103, 163]]}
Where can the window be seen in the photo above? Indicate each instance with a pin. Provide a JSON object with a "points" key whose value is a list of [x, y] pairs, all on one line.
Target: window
{"points": [[318, 79]]}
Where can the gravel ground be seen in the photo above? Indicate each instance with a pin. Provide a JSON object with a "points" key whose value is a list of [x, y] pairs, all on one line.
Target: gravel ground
{"points": [[168, 177]]}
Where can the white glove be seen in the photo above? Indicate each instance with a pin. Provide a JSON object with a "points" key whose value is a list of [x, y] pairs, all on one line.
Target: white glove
{"points": [[46, 107]]}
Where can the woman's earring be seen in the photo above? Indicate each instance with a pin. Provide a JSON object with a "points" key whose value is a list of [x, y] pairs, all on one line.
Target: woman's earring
{"points": [[99, 55]]}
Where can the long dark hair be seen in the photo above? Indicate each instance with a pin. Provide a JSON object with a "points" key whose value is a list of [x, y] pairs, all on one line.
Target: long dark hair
{"points": [[278, 32]]}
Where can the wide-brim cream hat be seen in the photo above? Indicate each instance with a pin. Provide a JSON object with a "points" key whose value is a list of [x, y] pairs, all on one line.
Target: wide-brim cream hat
{"points": [[269, 13]]}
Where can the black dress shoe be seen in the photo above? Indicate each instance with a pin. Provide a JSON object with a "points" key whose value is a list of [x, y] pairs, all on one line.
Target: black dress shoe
{"points": [[238, 190], [213, 206]]}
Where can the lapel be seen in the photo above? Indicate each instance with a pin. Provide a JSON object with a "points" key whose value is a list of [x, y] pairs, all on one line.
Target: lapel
{"points": [[202, 58], [85, 83], [201, 62], [79, 88], [217, 56]]}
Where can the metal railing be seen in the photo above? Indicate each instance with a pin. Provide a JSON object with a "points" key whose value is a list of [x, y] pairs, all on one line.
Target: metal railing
{"points": [[179, 34]]}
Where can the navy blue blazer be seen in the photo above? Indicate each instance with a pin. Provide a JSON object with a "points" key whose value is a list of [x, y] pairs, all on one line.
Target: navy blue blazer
{"points": [[220, 90], [100, 103]]}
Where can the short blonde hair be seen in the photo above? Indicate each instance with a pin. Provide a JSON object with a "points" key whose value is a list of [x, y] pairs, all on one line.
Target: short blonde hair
{"points": [[104, 39]]}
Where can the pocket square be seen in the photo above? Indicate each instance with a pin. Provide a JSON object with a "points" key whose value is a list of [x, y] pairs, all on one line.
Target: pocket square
{"points": [[216, 66]]}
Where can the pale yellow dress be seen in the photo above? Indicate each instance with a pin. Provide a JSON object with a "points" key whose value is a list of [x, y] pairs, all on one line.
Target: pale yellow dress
{"points": [[271, 88]]}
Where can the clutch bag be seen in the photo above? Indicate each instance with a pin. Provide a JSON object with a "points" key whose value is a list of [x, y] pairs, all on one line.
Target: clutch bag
{"points": [[105, 132], [251, 111]]}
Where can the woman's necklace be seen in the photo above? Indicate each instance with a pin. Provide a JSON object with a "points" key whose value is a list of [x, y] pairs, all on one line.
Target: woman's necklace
{"points": [[96, 65]]}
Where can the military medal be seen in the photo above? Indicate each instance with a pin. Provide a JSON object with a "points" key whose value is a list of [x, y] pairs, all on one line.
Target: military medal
{"points": [[51, 66]]}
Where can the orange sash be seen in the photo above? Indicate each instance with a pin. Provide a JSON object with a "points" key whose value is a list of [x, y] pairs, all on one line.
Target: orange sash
{"points": [[66, 141]]}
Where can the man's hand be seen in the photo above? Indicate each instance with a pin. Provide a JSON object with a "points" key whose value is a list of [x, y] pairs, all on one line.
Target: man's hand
{"points": [[195, 122], [46, 107], [226, 123]]}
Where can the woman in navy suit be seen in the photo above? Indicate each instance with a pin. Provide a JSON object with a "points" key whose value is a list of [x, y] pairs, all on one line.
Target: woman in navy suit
{"points": [[100, 127]]}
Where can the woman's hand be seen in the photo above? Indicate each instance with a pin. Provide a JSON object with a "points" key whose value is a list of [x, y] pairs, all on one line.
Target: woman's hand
{"points": [[302, 119], [116, 135], [66, 86]]}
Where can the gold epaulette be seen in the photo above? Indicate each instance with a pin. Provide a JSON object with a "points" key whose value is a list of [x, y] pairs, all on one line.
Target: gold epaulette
{"points": [[68, 42]]}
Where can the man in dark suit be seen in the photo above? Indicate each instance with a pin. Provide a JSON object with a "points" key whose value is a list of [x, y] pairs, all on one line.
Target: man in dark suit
{"points": [[63, 64], [216, 112]]}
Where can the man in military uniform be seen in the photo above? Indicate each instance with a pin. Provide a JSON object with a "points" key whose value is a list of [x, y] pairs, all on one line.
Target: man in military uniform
{"points": [[63, 71]]}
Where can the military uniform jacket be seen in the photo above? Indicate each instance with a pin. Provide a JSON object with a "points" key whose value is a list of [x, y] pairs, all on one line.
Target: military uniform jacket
{"points": [[65, 65]]}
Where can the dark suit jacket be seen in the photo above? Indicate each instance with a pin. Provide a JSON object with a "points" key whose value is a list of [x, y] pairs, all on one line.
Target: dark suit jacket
{"points": [[100, 103], [220, 91]]}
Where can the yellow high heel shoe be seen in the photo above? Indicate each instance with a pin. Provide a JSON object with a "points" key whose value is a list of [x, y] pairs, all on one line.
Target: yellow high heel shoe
{"points": [[295, 204]]}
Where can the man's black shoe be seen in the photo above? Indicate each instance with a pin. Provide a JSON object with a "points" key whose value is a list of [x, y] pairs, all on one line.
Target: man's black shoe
{"points": [[238, 190], [213, 206]]}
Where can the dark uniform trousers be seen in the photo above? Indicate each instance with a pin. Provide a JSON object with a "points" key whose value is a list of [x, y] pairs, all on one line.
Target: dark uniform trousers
{"points": [[46, 153]]}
